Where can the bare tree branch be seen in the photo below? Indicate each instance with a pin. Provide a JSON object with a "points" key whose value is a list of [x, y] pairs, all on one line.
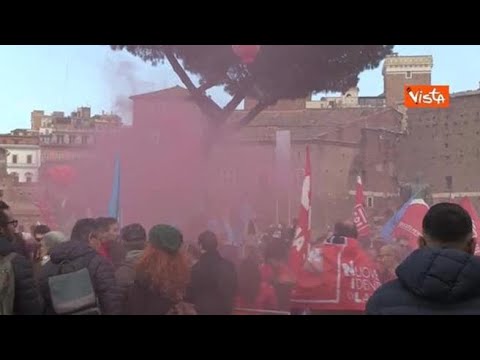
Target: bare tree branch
{"points": [[208, 85], [251, 114], [179, 70], [207, 105], [233, 104]]}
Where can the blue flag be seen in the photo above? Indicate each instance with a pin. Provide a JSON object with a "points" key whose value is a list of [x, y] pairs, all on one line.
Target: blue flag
{"points": [[389, 227], [114, 204]]}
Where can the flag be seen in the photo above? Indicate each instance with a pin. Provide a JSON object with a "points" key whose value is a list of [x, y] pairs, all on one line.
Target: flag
{"points": [[301, 241], [468, 206], [410, 224], [114, 204], [389, 227], [359, 214]]}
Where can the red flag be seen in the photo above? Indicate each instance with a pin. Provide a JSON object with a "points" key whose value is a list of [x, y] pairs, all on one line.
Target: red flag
{"points": [[302, 235], [359, 214], [347, 280], [468, 206], [410, 226]]}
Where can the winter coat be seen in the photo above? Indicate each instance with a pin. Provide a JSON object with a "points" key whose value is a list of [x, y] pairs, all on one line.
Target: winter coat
{"points": [[125, 273], [81, 255], [213, 285], [27, 297], [142, 299], [431, 281]]}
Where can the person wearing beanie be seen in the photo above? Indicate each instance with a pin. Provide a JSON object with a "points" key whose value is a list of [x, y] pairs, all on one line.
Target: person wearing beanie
{"points": [[162, 274], [134, 239], [49, 241], [213, 283]]}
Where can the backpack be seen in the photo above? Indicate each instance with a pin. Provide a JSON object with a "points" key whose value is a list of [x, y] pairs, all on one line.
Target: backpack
{"points": [[7, 284], [72, 293]]}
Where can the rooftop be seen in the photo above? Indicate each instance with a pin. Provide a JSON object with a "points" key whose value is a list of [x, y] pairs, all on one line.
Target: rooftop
{"points": [[317, 124], [174, 92]]}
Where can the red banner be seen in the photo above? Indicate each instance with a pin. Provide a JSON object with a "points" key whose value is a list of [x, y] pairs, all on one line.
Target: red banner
{"points": [[302, 235], [410, 226], [359, 213], [345, 283], [468, 206]]}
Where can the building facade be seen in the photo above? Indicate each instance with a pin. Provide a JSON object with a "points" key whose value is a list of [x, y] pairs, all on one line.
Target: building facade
{"points": [[441, 148], [399, 71], [23, 156], [344, 140]]}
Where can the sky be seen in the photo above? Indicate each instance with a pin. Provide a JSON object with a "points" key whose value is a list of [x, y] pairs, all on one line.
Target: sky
{"points": [[62, 78]]}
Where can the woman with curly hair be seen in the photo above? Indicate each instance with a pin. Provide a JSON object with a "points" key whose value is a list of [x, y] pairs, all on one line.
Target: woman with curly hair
{"points": [[162, 274]]}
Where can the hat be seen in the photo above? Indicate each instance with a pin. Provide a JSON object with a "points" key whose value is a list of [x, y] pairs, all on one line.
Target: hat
{"points": [[166, 238], [133, 232], [53, 238]]}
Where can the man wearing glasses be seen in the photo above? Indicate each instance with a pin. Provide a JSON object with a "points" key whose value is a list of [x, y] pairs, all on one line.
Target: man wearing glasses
{"points": [[26, 298]]}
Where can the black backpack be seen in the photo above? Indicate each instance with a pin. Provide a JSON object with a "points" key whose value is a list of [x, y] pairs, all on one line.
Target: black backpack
{"points": [[72, 292]]}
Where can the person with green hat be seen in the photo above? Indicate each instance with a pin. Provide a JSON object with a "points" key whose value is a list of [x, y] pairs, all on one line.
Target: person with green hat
{"points": [[162, 275]]}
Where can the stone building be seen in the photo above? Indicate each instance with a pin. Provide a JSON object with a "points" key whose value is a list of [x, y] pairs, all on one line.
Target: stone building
{"points": [[442, 147]]}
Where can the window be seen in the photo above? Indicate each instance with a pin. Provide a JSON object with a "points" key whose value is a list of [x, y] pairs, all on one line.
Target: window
{"points": [[29, 159], [28, 177], [84, 140], [71, 139], [60, 139], [14, 159], [408, 75], [228, 176], [370, 201], [449, 182]]}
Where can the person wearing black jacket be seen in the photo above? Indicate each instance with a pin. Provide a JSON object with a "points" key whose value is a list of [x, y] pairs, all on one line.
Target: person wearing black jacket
{"points": [[27, 300], [442, 276], [213, 283], [80, 254]]}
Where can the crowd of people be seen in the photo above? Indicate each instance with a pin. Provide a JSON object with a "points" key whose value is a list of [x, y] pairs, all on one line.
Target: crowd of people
{"points": [[103, 269]]}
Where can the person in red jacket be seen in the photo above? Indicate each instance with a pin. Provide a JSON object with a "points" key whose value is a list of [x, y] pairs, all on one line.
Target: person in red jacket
{"points": [[254, 291], [338, 278]]}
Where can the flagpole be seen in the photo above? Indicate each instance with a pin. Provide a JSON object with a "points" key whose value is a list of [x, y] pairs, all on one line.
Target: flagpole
{"points": [[277, 220], [289, 209]]}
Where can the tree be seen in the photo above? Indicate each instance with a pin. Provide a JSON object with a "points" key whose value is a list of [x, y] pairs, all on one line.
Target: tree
{"points": [[279, 72]]}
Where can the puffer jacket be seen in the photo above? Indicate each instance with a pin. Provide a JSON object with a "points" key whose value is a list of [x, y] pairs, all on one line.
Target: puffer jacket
{"points": [[431, 281], [27, 297], [125, 273], [142, 299], [81, 255]]}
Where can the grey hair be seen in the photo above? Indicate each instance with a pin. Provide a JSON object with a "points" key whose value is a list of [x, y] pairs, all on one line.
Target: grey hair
{"points": [[52, 239]]}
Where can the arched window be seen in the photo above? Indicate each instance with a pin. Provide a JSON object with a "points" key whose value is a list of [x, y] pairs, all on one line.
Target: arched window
{"points": [[28, 177], [15, 175]]}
